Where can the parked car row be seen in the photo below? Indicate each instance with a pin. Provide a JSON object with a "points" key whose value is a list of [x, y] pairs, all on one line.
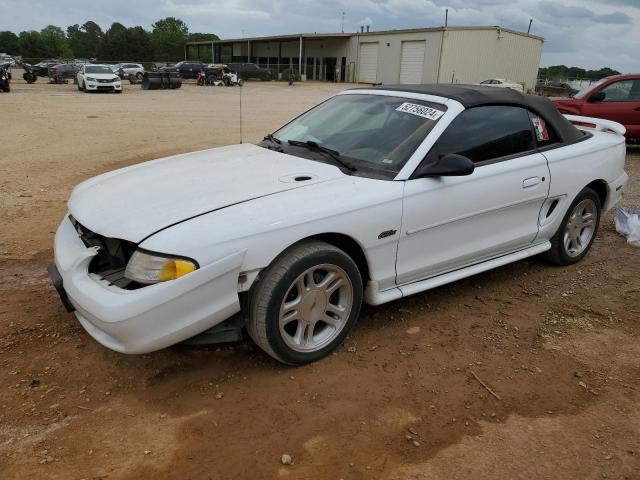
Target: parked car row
{"points": [[59, 70], [246, 71], [7, 59]]}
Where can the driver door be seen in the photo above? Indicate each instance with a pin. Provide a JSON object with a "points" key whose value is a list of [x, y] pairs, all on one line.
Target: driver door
{"points": [[452, 222]]}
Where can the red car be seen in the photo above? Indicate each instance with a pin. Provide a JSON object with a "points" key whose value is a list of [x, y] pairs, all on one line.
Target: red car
{"points": [[614, 98]]}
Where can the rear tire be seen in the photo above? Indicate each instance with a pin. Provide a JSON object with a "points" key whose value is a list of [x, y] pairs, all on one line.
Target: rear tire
{"points": [[305, 303], [578, 229]]}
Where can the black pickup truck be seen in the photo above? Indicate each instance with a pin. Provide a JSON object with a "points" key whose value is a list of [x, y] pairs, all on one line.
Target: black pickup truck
{"points": [[247, 71], [187, 69]]}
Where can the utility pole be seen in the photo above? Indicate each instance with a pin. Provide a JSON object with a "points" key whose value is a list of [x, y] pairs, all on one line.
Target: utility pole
{"points": [[530, 22], [446, 17], [342, 25]]}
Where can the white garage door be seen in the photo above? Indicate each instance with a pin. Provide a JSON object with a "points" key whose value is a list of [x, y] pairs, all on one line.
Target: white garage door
{"points": [[412, 62], [368, 65]]}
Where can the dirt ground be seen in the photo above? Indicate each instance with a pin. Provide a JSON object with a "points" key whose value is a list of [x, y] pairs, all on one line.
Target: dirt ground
{"points": [[401, 399]]}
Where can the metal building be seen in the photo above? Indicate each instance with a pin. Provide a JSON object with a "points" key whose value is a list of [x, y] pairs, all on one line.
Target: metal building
{"points": [[424, 55]]}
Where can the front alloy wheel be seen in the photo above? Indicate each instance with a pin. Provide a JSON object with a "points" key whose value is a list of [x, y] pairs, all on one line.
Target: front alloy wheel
{"points": [[303, 305], [316, 308]]}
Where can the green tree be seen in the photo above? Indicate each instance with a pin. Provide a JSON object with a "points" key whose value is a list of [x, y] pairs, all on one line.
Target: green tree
{"points": [[114, 43], [168, 38], [85, 40], [202, 37], [9, 43], [55, 42], [562, 72], [139, 45], [31, 45]]}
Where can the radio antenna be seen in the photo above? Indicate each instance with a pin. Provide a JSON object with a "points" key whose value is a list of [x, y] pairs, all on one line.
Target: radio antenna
{"points": [[240, 86]]}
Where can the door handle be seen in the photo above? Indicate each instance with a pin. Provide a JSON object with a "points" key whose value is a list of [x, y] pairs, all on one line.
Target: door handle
{"points": [[530, 182], [637, 109]]}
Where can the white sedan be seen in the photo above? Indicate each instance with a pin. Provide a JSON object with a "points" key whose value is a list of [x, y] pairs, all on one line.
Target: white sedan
{"points": [[373, 195], [98, 78], [502, 83]]}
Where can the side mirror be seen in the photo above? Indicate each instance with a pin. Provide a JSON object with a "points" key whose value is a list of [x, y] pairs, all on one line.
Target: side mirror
{"points": [[597, 97], [450, 165]]}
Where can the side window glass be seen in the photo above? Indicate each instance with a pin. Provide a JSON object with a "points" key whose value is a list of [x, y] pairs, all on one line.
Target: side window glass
{"points": [[634, 94], [618, 91], [486, 133]]}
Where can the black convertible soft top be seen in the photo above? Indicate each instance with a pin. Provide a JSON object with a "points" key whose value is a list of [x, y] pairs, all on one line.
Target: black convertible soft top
{"points": [[475, 95]]}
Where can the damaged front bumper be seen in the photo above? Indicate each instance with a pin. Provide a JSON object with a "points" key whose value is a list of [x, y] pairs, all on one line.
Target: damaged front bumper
{"points": [[149, 318]]}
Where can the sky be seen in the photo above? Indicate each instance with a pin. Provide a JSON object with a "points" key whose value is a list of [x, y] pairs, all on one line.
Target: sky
{"points": [[583, 33]]}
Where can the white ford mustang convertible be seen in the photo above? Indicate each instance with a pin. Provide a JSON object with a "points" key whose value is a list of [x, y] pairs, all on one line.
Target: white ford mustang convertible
{"points": [[373, 195]]}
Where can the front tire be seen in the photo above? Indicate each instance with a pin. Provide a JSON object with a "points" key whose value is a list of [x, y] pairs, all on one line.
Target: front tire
{"points": [[577, 231], [305, 303]]}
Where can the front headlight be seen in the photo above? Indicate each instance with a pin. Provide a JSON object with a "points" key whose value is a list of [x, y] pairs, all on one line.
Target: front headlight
{"points": [[148, 268], [116, 79], [91, 79]]}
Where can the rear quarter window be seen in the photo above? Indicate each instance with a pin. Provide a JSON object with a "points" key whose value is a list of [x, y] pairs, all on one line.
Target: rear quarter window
{"points": [[545, 135]]}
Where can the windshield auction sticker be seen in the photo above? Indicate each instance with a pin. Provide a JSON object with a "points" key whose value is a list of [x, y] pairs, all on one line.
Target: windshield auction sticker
{"points": [[420, 111]]}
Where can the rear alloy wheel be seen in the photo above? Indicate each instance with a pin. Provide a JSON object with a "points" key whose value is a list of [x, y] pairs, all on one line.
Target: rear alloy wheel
{"points": [[577, 231], [304, 304], [580, 228]]}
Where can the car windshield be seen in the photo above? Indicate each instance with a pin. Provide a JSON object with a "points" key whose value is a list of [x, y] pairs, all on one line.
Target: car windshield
{"points": [[376, 134], [98, 69], [583, 91]]}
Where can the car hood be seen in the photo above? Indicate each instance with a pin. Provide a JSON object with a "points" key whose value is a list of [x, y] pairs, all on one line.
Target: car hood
{"points": [[135, 202]]}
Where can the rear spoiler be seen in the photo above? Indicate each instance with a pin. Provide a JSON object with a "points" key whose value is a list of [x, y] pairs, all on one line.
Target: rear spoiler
{"points": [[597, 124]]}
